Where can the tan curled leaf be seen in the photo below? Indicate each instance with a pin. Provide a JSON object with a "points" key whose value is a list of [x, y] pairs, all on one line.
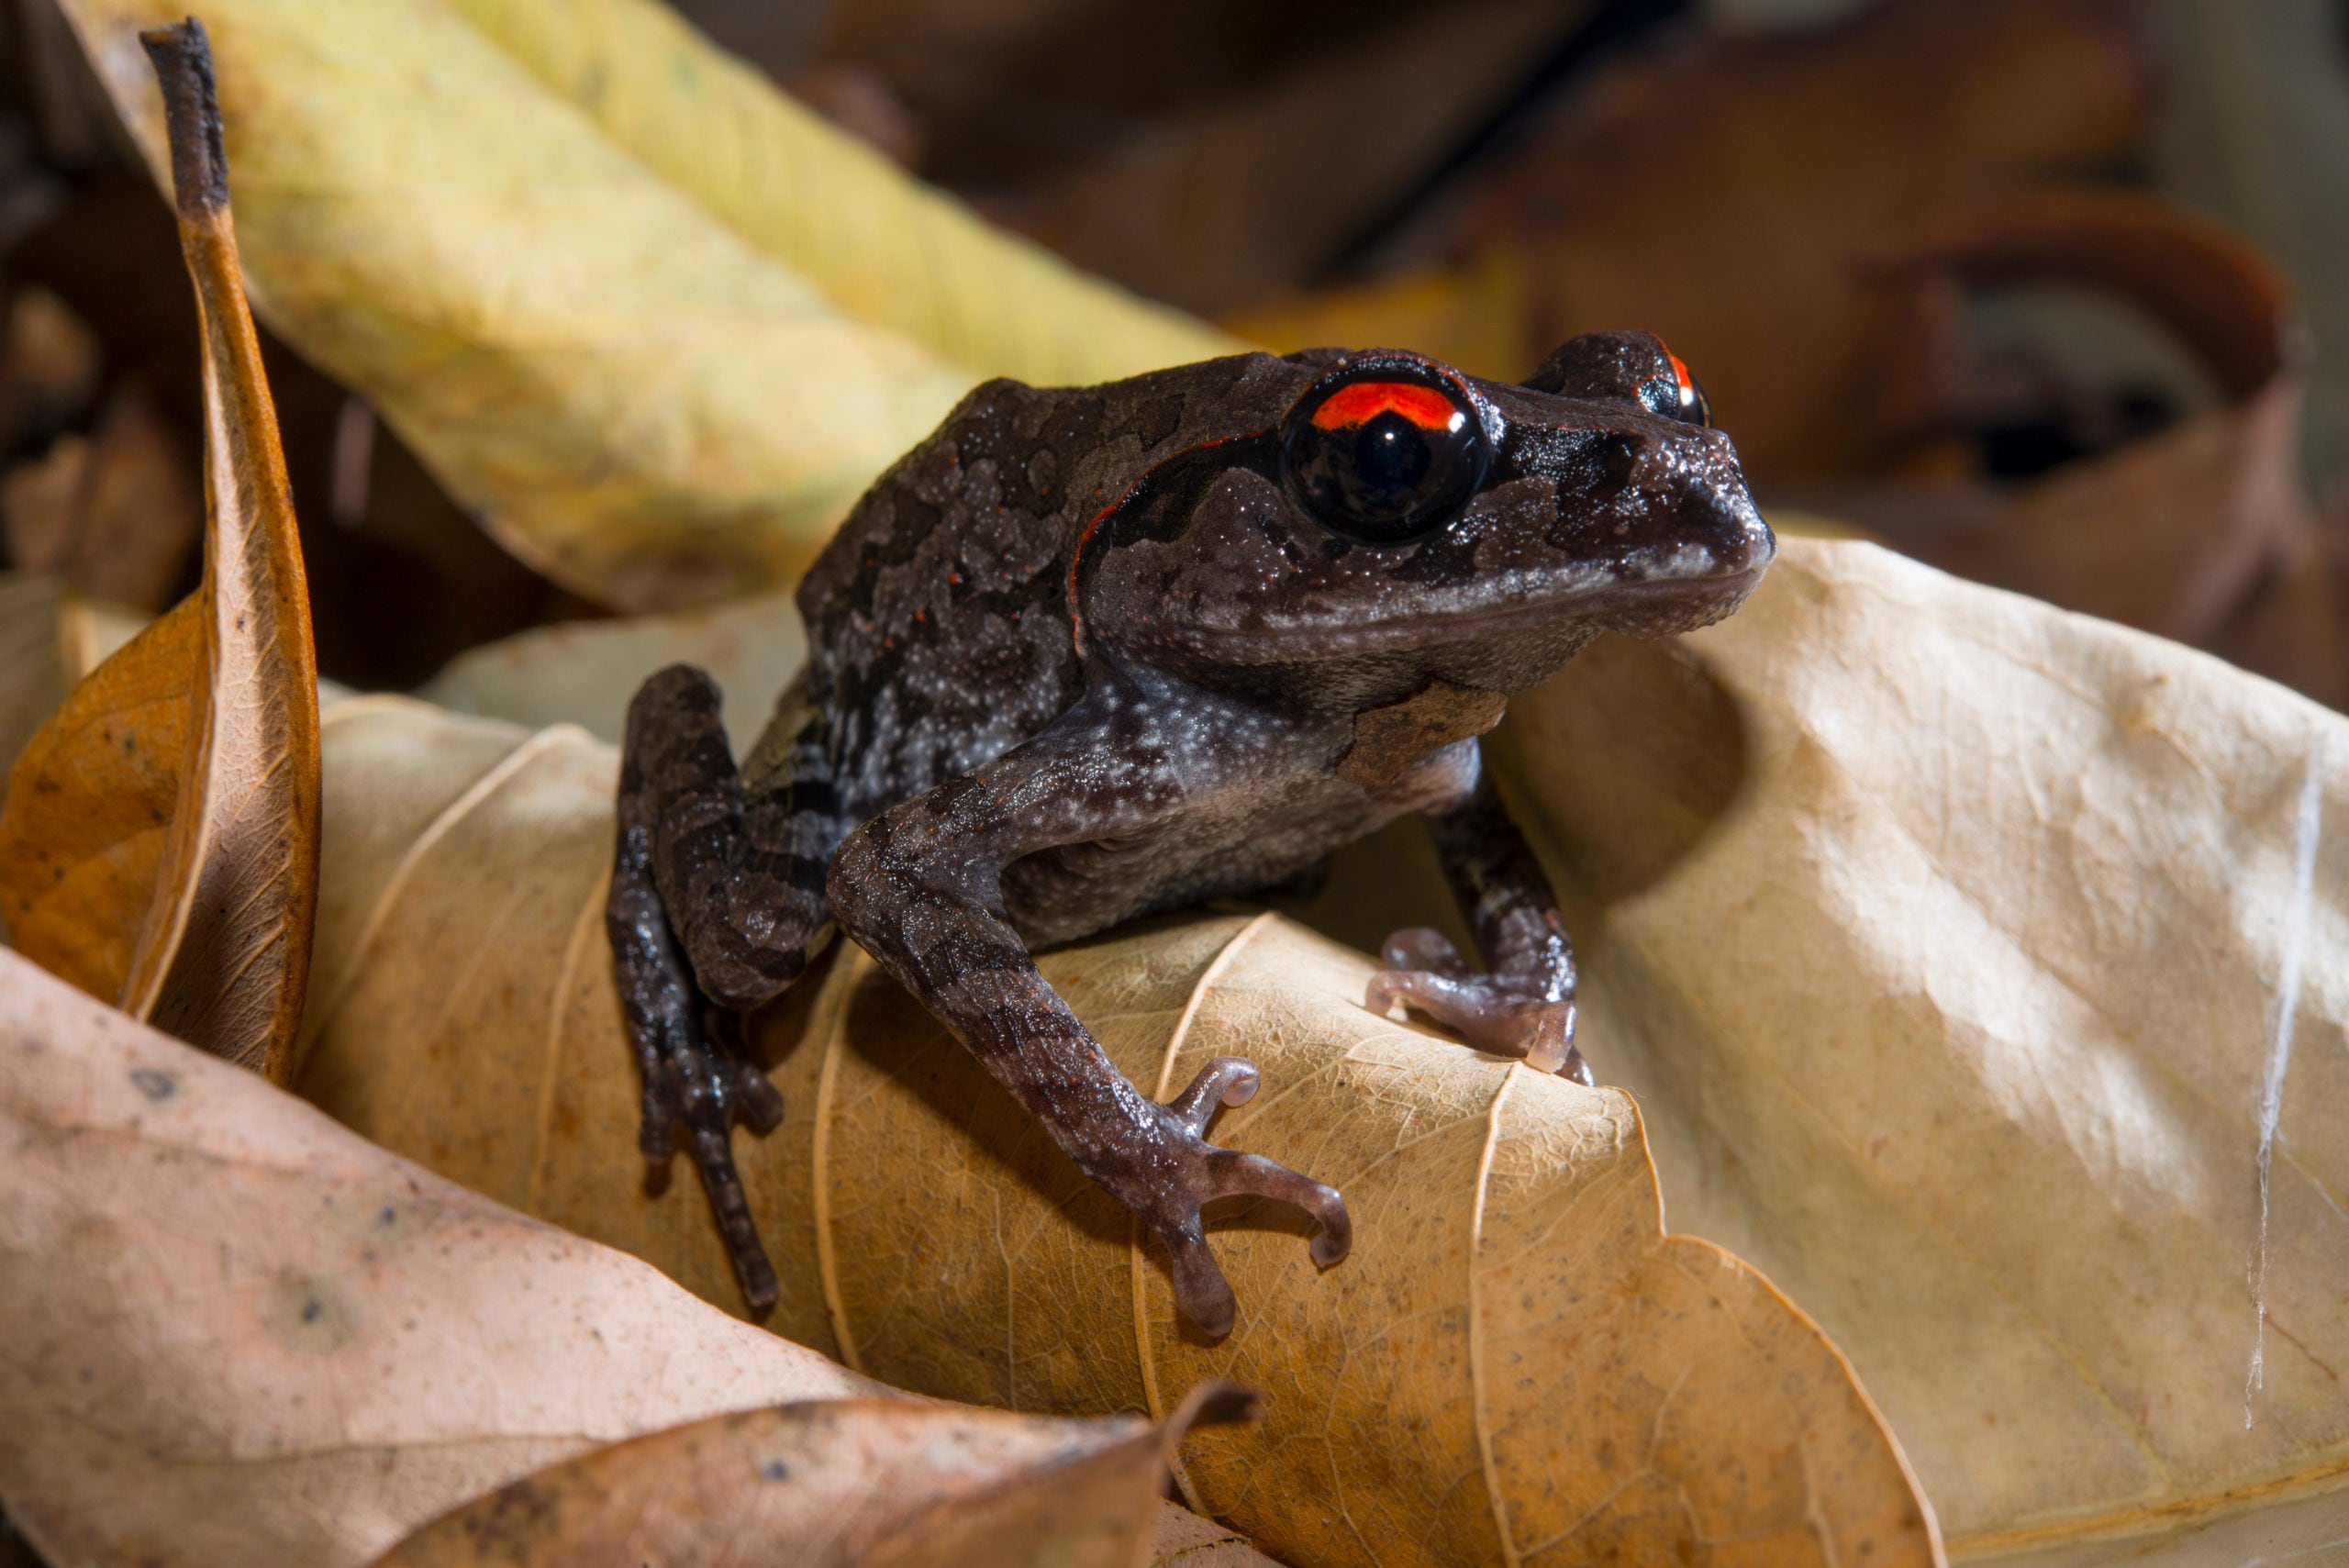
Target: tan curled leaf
{"points": [[233, 1332], [657, 325], [1515, 1363], [160, 843], [1952, 944], [838, 1482]]}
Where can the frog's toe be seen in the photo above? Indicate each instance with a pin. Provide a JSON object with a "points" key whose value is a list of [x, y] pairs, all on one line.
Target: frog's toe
{"points": [[1207, 1173], [1424, 948], [1501, 1014], [703, 1077], [1232, 1174], [1224, 1080], [1201, 1293]]}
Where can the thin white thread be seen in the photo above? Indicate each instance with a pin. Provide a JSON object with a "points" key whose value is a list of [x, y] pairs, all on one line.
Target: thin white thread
{"points": [[2279, 1050]]}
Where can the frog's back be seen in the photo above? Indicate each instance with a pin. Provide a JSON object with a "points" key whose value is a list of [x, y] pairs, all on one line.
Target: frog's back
{"points": [[938, 620]]}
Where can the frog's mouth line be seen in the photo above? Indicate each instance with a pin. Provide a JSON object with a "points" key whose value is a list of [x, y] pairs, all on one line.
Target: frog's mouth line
{"points": [[1670, 605]]}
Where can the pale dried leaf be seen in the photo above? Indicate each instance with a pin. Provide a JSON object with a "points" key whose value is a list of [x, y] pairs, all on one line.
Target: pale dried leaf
{"points": [[584, 673], [657, 325], [1425, 1404], [836, 1483], [1939, 934], [233, 1332], [93, 631]]}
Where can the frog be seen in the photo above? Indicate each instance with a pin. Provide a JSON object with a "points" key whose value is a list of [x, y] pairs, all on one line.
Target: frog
{"points": [[1088, 654]]}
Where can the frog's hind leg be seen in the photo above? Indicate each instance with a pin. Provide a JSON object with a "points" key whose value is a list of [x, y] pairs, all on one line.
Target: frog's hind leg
{"points": [[1524, 1005], [717, 904]]}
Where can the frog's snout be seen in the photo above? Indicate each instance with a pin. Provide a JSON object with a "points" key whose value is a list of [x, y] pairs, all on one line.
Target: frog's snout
{"points": [[1740, 542]]}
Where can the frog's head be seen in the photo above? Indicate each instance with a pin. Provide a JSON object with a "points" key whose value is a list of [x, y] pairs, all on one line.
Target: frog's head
{"points": [[1373, 519]]}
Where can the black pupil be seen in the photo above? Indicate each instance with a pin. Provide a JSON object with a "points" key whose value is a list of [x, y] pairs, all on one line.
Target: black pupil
{"points": [[1388, 478], [1391, 458]]}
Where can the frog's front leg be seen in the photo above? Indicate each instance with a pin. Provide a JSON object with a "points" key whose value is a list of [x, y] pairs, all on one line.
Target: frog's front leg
{"points": [[1524, 1004], [920, 888], [716, 903]]}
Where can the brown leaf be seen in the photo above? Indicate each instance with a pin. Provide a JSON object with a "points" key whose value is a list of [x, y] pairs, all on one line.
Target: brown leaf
{"points": [[233, 1332], [1733, 197], [114, 514], [50, 360], [159, 846], [1514, 1353], [1260, 185], [33, 654], [847, 1483], [2202, 532]]}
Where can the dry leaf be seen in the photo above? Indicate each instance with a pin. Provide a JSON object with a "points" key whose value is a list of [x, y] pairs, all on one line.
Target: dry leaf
{"points": [[888, 250], [36, 680], [1937, 930], [1514, 1351], [114, 513], [50, 363], [1263, 186], [238, 1333], [159, 848], [1734, 196], [869, 1482], [1941, 935], [2202, 531], [584, 672], [233, 1332], [659, 326]]}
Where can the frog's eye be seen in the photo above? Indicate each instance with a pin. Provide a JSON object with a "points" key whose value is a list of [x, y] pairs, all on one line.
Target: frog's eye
{"points": [[1677, 395], [1382, 458], [1625, 364]]}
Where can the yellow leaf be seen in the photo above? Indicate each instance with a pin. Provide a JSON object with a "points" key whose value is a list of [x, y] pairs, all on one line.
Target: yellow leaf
{"points": [[1515, 1352], [885, 249], [657, 325], [159, 846], [839, 1483]]}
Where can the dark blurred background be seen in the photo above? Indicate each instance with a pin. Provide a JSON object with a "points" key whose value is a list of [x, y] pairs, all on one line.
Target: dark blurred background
{"points": [[2051, 293]]}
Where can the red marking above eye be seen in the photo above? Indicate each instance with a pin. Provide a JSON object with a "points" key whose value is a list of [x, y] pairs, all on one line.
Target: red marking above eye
{"points": [[1680, 374], [1366, 400]]}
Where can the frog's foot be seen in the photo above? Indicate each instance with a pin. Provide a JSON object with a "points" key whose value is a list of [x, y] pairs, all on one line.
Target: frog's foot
{"points": [[1526, 1015], [1192, 1172], [704, 1079]]}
